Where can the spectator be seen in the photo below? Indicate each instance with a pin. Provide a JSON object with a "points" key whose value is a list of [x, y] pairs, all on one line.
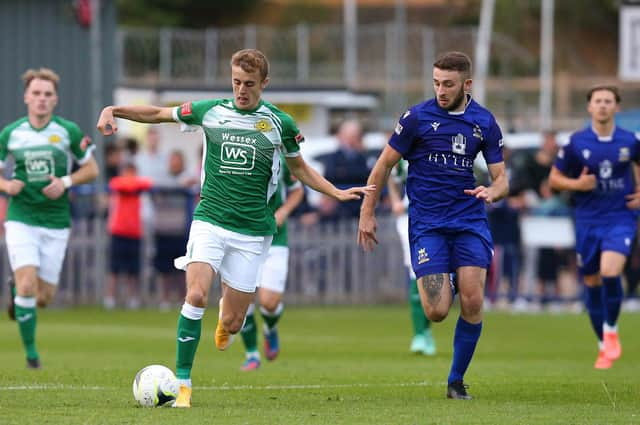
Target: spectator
{"points": [[125, 228]]}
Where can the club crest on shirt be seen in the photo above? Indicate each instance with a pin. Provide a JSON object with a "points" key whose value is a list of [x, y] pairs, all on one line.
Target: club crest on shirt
{"points": [[54, 138], [586, 153], [459, 144], [435, 125], [264, 126], [605, 169], [623, 154], [423, 257], [477, 132]]}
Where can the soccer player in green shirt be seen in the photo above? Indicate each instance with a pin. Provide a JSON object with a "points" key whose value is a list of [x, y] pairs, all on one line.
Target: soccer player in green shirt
{"points": [[232, 226], [38, 219]]}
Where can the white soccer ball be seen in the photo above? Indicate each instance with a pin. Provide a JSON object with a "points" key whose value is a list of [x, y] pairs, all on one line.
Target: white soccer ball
{"points": [[155, 385]]}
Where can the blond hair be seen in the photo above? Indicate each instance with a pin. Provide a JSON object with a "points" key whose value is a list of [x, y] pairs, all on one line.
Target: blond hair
{"points": [[251, 60], [41, 74]]}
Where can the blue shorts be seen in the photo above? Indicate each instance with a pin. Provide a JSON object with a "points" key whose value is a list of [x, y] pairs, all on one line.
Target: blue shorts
{"points": [[125, 255], [592, 239], [443, 251]]}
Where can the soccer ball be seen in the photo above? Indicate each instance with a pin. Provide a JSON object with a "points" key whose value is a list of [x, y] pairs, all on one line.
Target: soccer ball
{"points": [[155, 385]]}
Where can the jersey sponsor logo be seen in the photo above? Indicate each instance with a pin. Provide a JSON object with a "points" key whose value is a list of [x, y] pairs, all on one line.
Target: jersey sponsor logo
{"points": [[435, 125], [624, 155], [423, 257], [264, 126], [586, 153], [236, 156], [459, 144], [299, 138], [477, 132], [450, 159], [398, 129], [54, 138], [186, 109], [39, 165], [606, 169]]}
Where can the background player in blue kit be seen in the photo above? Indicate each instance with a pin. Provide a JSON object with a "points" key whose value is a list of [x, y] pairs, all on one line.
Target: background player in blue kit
{"points": [[596, 165], [448, 228]]}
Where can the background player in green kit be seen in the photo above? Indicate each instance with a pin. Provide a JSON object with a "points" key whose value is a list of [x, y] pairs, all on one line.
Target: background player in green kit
{"points": [[232, 227], [272, 275], [38, 218]]}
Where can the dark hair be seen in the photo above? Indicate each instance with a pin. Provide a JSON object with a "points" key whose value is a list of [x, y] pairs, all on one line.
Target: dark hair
{"points": [[454, 61], [612, 89], [251, 60]]}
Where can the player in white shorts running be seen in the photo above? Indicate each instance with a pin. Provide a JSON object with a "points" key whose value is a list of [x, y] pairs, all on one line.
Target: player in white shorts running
{"points": [[232, 227], [42, 146]]}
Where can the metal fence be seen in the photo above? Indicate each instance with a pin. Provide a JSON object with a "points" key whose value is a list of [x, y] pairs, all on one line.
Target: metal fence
{"points": [[326, 267]]}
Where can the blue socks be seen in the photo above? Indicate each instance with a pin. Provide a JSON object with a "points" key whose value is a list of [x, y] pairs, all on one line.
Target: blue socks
{"points": [[595, 308], [464, 344], [612, 296]]}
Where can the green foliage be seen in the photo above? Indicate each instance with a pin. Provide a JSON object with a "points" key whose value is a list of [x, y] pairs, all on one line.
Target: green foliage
{"points": [[346, 365]]}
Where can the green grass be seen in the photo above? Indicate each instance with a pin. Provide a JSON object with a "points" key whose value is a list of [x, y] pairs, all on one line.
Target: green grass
{"points": [[342, 365]]}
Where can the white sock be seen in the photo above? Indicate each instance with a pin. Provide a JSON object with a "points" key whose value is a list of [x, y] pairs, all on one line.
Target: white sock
{"points": [[186, 382], [608, 329]]}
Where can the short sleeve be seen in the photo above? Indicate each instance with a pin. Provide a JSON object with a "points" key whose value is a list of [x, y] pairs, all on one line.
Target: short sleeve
{"points": [[81, 146], [494, 142], [291, 136], [403, 135], [4, 145], [565, 158], [192, 113]]}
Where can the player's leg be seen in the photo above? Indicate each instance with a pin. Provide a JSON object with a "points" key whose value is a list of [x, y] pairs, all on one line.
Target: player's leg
{"points": [[611, 266], [244, 255], [25, 301], [423, 341], [249, 333], [272, 282]]}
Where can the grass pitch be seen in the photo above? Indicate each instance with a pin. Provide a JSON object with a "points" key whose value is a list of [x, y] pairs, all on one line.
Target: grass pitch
{"points": [[338, 365]]}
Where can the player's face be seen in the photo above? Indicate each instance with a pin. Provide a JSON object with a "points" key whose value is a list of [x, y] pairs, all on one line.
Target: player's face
{"points": [[602, 106], [41, 98], [450, 88], [247, 88]]}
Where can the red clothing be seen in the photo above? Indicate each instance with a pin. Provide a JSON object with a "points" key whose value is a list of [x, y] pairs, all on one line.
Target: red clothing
{"points": [[124, 209]]}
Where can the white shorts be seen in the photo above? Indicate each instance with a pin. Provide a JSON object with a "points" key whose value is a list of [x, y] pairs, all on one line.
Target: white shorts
{"points": [[36, 246], [236, 257], [272, 275], [402, 225]]}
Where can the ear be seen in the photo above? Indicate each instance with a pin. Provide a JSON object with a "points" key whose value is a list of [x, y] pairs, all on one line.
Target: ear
{"points": [[264, 83], [467, 85]]}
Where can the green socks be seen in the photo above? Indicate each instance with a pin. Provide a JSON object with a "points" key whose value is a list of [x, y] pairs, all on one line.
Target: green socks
{"points": [[188, 337], [26, 318], [271, 319], [418, 319], [249, 333]]}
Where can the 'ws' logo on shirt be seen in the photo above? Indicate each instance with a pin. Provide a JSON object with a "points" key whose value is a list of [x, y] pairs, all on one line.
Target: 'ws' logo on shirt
{"points": [[237, 156], [459, 144]]}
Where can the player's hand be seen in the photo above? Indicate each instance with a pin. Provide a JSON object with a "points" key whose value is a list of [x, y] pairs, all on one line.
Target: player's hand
{"points": [[54, 189], [585, 181], [398, 208], [14, 187], [367, 232], [354, 193], [481, 192], [633, 200], [106, 122], [280, 217]]}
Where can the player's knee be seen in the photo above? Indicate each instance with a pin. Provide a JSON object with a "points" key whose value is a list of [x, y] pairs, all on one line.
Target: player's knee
{"points": [[270, 304], [437, 314], [232, 322], [472, 303], [197, 297]]}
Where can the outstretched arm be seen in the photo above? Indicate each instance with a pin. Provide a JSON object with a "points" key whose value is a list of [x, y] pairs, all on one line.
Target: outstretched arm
{"points": [[310, 177], [379, 175], [499, 187], [140, 113]]}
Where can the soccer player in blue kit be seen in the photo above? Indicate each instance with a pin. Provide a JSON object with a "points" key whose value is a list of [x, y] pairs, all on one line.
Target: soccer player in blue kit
{"points": [[448, 227], [597, 165]]}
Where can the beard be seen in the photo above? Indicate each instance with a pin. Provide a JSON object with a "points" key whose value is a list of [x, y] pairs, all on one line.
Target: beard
{"points": [[457, 101]]}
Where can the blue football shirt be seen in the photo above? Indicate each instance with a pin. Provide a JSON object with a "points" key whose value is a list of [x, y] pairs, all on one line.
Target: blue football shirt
{"points": [[441, 147], [610, 160]]}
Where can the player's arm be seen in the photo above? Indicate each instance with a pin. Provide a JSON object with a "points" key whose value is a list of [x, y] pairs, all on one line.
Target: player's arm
{"points": [[11, 186], [141, 113], [379, 175], [86, 173], [633, 199], [294, 198], [499, 187], [560, 181], [310, 177]]}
